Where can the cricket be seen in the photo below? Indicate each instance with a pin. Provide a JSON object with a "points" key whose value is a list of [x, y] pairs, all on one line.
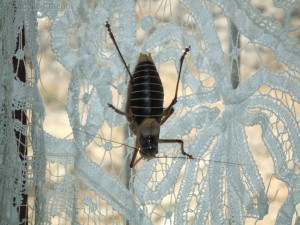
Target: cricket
{"points": [[144, 107]]}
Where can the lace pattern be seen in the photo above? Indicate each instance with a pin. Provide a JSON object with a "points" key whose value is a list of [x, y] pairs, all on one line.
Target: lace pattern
{"points": [[85, 177]]}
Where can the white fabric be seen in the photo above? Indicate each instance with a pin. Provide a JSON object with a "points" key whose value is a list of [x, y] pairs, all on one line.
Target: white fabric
{"points": [[67, 186]]}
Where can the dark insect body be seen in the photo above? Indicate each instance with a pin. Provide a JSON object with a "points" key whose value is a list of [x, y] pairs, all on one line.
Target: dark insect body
{"points": [[144, 107], [147, 94]]}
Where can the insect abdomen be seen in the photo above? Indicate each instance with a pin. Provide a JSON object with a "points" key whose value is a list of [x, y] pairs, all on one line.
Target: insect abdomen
{"points": [[147, 94]]}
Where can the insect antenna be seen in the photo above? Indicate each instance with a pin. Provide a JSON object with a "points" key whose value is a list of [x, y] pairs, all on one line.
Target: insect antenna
{"points": [[205, 160], [162, 157], [105, 139]]}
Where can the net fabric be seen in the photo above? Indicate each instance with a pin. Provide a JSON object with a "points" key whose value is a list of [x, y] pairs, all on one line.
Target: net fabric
{"points": [[22, 170], [85, 179]]}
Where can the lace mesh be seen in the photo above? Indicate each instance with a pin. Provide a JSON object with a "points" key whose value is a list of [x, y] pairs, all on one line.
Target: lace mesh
{"points": [[65, 154]]}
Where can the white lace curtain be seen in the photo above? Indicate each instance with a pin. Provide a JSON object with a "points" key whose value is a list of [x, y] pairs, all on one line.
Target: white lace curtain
{"points": [[238, 112]]}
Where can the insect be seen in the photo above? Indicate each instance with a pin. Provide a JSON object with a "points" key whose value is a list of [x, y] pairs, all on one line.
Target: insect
{"points": [[144, 107]]}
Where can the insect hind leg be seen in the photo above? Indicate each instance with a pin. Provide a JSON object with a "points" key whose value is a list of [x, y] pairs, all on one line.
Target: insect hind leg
{"points": [[117, 47], [169, 110]]}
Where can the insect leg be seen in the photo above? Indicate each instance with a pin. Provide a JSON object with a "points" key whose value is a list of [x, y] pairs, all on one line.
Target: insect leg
{"points": [[176, 141], [167, 113], [117, 47], [179, 74], [136, 150], [132, 164], [169, 110], [118, 111]]}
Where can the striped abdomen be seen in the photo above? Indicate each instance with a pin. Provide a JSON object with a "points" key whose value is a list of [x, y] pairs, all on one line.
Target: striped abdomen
{"points": [[147, 95]]}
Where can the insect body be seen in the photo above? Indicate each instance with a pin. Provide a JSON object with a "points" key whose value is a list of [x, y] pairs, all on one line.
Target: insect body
{"points": [[144, 107]]}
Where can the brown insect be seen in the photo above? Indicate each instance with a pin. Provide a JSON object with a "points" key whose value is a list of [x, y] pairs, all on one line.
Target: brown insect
{"points": [[144, 107]]}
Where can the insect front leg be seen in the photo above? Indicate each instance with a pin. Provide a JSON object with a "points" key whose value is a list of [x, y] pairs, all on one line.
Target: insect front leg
{"points": [[179, 141], [136, 150]]}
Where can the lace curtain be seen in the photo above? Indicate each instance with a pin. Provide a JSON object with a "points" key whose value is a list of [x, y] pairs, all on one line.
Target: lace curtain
{"points": [[65, 155]]}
